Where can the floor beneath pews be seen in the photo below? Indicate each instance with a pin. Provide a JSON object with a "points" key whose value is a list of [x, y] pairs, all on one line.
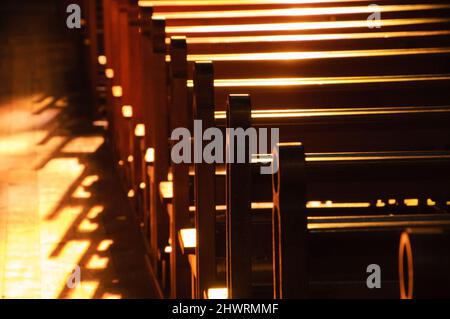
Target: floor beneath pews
{"points": [[61, 206]]}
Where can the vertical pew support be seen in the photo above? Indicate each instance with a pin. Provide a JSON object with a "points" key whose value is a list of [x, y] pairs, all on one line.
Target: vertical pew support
{"points": [[290, 239], [238, 199]]}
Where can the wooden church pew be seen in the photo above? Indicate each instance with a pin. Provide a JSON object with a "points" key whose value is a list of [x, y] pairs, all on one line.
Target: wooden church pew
{"points": [[203, 92], [194, 6], [161, 96], [381, 174], [295, 240], [212, 201], [206, 94], [156, 82], [308, 27], [176, 69], [126, 26], [159, 37], [390, 223], [125, 73], [331, 12], [311, 42]]}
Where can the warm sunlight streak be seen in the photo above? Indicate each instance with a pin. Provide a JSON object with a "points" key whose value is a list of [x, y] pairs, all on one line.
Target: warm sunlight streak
{"points": [[380, 203], [161, 3], [55, 180], [108, 295], [166, 189], [109, 73], [312, 37], [150, 155], [19, 143], [217, 293], [95, 211], [87, 144], [52, 207], [312, 55], [56, 270], [116, 91], [87, 226], [101, 123], [411, 202], [81, 192], [139, 130], [292, 12], [105, 245], [262, 205], [102, 60], [430, 202], [325, 80], [375, 223], [188, 237], [297, 113], [330, 204], [127, 111], [53, 230], [90, 180], [97, 262], [293, 26], [85, 290], [371, 156]]}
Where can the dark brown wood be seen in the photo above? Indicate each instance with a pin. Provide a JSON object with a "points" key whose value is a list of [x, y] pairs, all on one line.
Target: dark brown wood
{"points": [[125, 79], [426, 267], [159, 130], [180, 276], [378, 175], [238, 214], [146, 103], [92, 48], [205, 218], [135, 55], [289, 223]]}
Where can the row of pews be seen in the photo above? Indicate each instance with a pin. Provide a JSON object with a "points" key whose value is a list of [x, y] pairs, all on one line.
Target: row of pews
{"points": [[357, 94]]}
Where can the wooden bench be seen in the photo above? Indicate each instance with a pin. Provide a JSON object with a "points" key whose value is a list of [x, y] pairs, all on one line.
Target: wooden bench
{"points": [[204, 97], [300, 247], [178, 71], [337, 177], [135, 44], [359, 177]]}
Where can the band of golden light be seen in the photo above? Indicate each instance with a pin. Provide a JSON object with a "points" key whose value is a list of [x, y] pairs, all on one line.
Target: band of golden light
{"points": [[171, 3], [297, 113], [188, 235], [376, 224], [294, 12], [358, 157], [260, 82], [270, 56], [293, 26], [312, 37], [372, 156]]}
